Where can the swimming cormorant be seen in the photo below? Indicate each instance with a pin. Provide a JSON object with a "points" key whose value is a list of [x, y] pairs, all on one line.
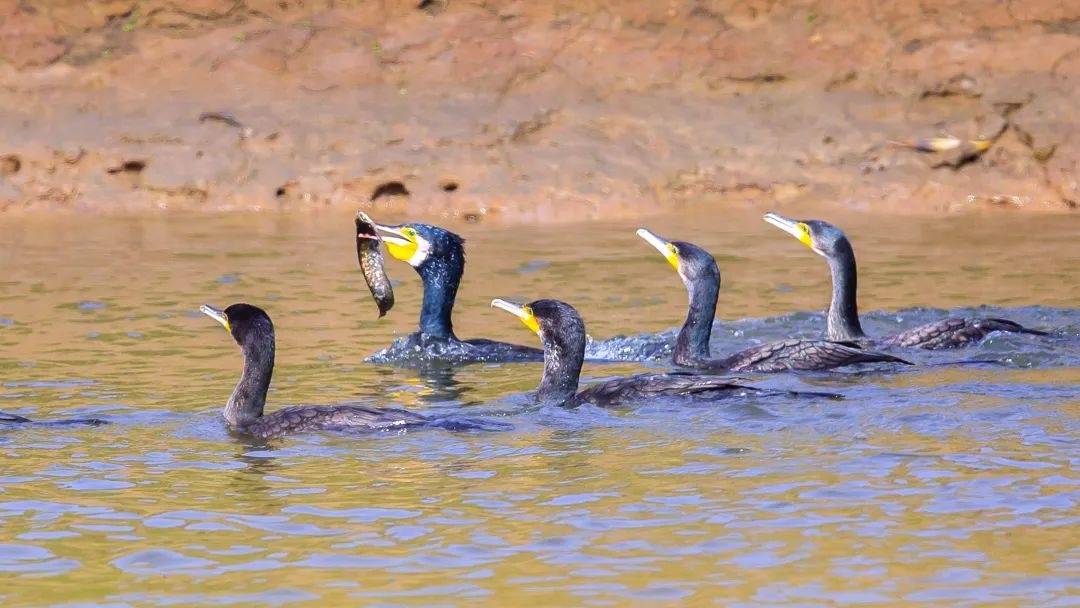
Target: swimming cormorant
{"points": [[562, 333], [701, 275], [831, 243], [252, 329]]}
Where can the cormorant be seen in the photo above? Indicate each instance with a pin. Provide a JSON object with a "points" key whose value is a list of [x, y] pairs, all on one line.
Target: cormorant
{"points": [[701, 275], [252, 329], [562, 333], [831, 243], [438, 256]]}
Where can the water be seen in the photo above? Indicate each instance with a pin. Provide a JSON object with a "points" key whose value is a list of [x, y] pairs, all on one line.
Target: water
{"points": [[937, 485]]}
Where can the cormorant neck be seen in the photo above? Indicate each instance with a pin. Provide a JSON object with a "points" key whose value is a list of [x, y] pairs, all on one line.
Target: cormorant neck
{"points": [[692, 344], [843, 319], [441, 277], [246, 403], [563, 357]]}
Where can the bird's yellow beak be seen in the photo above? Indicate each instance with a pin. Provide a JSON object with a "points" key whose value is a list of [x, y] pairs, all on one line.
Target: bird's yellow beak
{"points": [[796, 229], [401, 242], [666, 249], [522, 312], [217, 315]]}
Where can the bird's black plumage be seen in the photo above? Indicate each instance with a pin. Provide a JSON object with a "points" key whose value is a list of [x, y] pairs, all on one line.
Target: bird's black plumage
{"points": [[6, 418], [562, 332], [701, 276], [954, 332], [842, 319], [438, 256], [253, 330]]}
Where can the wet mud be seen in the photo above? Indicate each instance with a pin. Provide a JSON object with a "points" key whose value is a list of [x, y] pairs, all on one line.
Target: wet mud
{"points": [[541, 111]]}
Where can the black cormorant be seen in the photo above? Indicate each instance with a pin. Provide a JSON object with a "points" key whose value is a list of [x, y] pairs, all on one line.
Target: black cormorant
{"points": [[831, 243], [252, 329], [438, 256], [562, 333], [701, 275]]}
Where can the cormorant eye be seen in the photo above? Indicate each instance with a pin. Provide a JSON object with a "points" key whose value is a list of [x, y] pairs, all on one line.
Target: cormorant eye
{"points": [[410, 232]]}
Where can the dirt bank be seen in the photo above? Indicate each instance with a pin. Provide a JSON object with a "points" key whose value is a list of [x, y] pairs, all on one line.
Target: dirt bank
{"points": [[536, 110]]}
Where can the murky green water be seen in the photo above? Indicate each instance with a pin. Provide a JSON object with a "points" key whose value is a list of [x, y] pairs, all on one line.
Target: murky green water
{"points": [[942, 485]]}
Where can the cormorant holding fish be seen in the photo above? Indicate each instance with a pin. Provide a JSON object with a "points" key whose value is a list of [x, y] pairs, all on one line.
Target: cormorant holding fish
{"points": [[438, 256], [701, 275], [831, 243], [562, 333]]}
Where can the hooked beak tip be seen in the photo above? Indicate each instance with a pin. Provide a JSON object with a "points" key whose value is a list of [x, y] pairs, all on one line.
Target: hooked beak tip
{"points": [[215, 314], [778, 220], [651, 238], [510, 307]]}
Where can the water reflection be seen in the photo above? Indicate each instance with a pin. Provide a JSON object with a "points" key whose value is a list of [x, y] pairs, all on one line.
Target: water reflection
{"points": [[439, 385]]}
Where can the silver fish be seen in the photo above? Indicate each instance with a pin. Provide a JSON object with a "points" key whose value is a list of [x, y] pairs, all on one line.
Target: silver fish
{"points": [[369, 252]]}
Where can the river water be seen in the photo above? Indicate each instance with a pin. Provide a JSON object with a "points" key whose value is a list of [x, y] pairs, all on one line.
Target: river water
{"points": [[937, 485]]}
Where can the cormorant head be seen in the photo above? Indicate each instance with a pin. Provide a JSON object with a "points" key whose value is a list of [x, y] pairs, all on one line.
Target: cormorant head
{"points": [[253, 330], [821, 237], [419, 244], [557, 323], [563, 333], [438, 256], [248, 324], [693, 263]]}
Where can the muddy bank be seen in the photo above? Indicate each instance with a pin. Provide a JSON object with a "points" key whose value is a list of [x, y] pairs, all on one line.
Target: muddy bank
{"points": [[536, 110]]}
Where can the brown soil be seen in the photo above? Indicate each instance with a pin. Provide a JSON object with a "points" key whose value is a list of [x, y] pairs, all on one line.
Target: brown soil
{"points": [[536, 110]]}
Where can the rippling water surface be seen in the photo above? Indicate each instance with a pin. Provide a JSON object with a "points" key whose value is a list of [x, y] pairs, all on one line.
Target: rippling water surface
{"points": [[940, 485]]}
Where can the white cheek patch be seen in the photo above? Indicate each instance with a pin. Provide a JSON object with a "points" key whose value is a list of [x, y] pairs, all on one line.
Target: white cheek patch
{"points": [[682, 275], [423, 249]]}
